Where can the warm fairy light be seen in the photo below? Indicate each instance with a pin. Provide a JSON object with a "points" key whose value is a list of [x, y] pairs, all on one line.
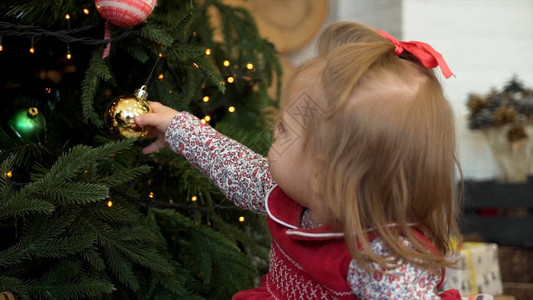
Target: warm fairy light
{"points": [[32, 50], [49, 91], [109, 203], [207, 118], [151, 195], [9, 174], [67, 16], [86, 11], [249, 66], [231, 79], [160, 54], [241, 219], [207, 51], [1, 48], [202, 121], [161, 76], [194, 198], [170, 92], [85, 171], [69, 56], [206, 99], [196, 65], [231, 109], [226, 63]]}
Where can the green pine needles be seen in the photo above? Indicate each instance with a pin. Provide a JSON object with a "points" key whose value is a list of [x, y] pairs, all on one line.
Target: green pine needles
{"points": [[84, 216]]}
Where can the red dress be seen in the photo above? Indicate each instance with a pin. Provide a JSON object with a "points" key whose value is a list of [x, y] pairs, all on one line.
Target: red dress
{"points": [[305, 263]]}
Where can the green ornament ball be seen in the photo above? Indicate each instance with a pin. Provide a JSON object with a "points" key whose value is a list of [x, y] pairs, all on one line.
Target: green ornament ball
{"points": [[28, 124]]}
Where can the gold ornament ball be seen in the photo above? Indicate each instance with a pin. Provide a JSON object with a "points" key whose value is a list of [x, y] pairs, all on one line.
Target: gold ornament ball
{"points": [[120, 116]]}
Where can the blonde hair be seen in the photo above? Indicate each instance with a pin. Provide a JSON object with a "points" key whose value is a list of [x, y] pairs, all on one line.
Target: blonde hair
{"points": [[385, 147]]}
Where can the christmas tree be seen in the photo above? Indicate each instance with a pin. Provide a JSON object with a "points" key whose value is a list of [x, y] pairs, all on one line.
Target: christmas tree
{"points": [[84, 214]]}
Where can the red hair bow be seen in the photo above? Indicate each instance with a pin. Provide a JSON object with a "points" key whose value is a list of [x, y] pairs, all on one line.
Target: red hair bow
{"points": [[428, 56]]}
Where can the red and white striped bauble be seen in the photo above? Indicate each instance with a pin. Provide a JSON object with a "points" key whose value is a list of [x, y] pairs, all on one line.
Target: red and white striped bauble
{"points": [[125, 12]]}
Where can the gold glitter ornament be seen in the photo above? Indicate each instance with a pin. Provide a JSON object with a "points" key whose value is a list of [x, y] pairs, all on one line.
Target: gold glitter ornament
{"points": [[120, 116]]}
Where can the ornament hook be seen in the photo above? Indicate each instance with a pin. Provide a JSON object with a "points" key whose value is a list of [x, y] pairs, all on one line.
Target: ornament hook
{"points": [[141, 93]]}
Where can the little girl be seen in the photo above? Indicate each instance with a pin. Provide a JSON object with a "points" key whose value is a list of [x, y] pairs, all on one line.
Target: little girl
{"points": [[359, 185]]}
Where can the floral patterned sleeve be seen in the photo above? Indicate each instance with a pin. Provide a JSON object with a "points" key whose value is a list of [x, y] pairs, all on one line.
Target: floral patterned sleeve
{"points": [[407, 281], [241, 174]]}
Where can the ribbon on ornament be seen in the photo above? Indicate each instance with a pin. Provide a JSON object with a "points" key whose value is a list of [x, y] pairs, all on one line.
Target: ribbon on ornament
{"points": [[107, 36], [428, 56]]}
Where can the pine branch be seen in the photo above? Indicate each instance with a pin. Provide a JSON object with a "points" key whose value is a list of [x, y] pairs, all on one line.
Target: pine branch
{"points": [[72, 289], [137, 51], [93, 258], [184, 52], [179, 21], [121, 214], [127, 242], [122, 176], [14, 285], [98, 70], [77, 158], [76, 193], [44, 239], [18, 205], [212, 74], [154, 33], [120, 267]]}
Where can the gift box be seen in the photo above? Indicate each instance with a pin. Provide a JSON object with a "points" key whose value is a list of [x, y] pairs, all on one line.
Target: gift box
{"points": [[477, 270]]}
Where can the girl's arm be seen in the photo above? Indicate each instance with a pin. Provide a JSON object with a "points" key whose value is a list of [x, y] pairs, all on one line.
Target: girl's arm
{"points": [[406, 281], [241, 174]]}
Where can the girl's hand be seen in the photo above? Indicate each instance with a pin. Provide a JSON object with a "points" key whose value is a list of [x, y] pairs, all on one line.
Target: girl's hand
{"points": [[158, 120]]}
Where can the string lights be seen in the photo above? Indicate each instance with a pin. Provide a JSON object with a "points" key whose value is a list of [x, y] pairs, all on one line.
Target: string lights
{"points": [[67, 35], [32, 49], [69, 55]]}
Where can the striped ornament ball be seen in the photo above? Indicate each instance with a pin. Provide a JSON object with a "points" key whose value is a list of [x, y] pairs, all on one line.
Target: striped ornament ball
{"points": [[125, 13]]}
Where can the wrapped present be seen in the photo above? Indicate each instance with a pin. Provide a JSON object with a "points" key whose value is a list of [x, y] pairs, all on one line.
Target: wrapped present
{"points": [[477, 270]]}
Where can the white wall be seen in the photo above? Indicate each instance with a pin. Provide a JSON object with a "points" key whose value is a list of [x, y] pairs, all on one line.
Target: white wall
{"points": [[485, 43]]}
